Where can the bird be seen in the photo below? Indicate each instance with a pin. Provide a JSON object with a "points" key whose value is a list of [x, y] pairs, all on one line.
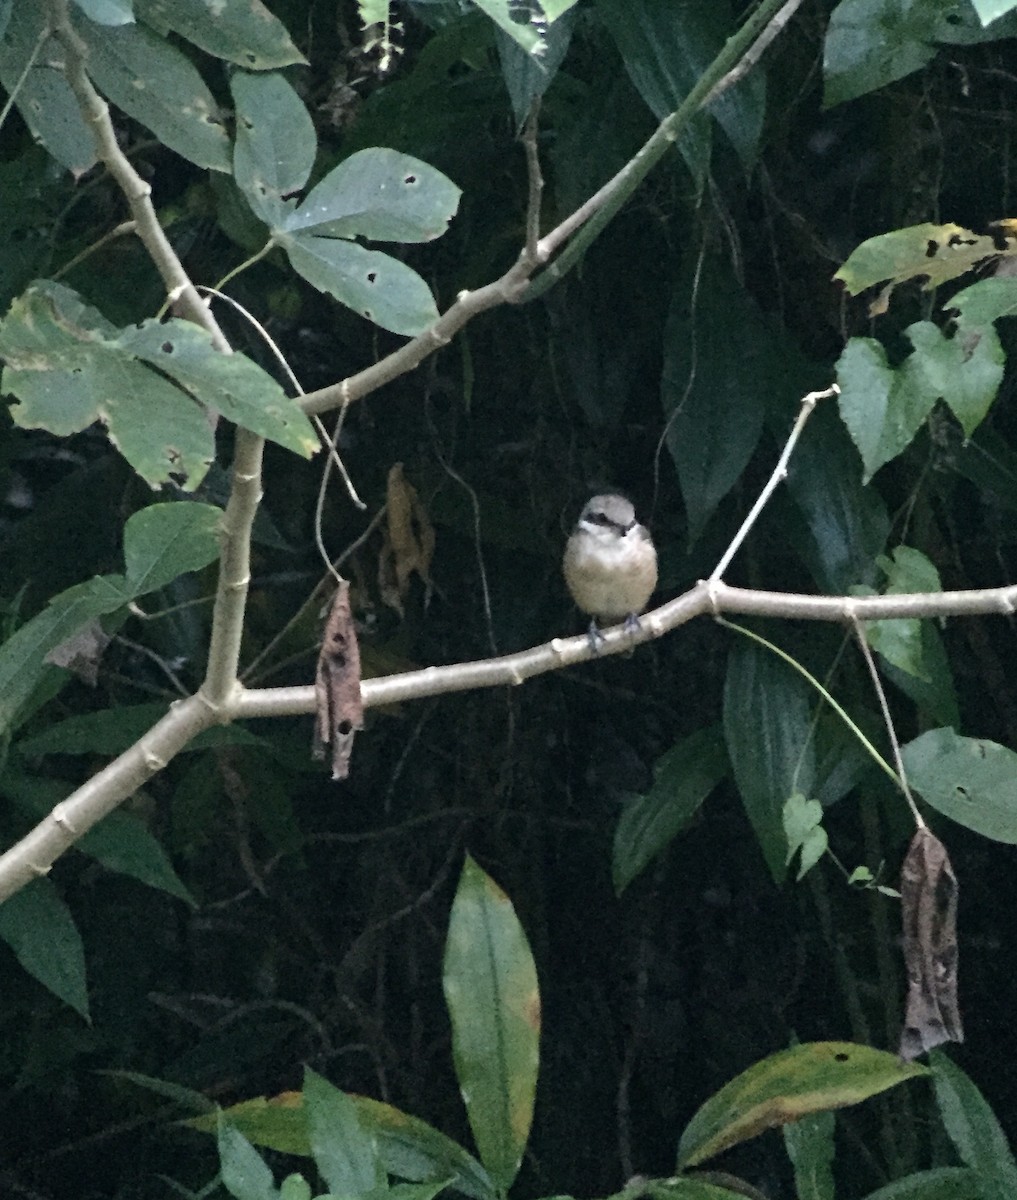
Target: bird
{"points": [[610, 564]]}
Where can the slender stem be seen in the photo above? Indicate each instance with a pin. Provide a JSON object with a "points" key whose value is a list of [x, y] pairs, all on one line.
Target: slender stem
{"points": [[118, 231], [19, 83], [877, 683], [879, 760]]}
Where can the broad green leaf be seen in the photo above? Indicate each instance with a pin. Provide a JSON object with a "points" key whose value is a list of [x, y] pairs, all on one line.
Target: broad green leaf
{"points": [[870, 43], [900, 641], [934, 695], [974, 1129], [767, 725], [941, 1183], [970, 780], [344, 1152], [881, 417], [526, 76], [123, 843], [515, 19], [5, 15], [811, 1078], [417, 1191], [108, 12], [294, 1187], [39, 928], [375, 285], [803, 829], [156, 84], [965, 370], [173, 539], [688, 1189], [275, 143], [809, 1145], [934, 253], [163, 541], [648, 34], [847, 523], [227, 383], [113, 730], [491, 991], [23, 654], [990, 10], [185, 1097], [683, 777], [44, 98], [244, 1173], [986, 301], [69, 367], [409, 1147], [241, 31], [713, 403], [380, 195]]}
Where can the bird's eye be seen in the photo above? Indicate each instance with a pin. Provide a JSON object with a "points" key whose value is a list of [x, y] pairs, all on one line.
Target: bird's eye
{"points": [[599, 518]]}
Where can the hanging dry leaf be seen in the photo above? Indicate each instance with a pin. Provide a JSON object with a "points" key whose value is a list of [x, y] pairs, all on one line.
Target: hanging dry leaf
{"points": [[928, 890], [409, 541], [340, 706]]}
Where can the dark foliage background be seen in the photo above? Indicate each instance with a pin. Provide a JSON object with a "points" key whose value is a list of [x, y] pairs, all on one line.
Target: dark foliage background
{"points": [[321, 908]]}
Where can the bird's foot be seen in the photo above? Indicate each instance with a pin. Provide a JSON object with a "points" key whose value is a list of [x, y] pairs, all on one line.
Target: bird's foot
{"points": [[632, 624], [596, 638]]}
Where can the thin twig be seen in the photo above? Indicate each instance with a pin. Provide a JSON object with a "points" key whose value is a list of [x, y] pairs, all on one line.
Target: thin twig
{"points": [[754, 53], [119, 231], [877, 683], [779, 473], [536, 181]]}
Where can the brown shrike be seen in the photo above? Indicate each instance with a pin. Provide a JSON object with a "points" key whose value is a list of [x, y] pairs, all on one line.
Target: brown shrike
{"points": [[610, 564]]}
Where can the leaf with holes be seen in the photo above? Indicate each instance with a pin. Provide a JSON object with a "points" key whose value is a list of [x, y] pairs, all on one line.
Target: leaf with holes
{"points": [[241, 31], [970, 780], [380, 195], [376, 285], [813, 1077], [70, 367], [275, 144], [154, 83]]}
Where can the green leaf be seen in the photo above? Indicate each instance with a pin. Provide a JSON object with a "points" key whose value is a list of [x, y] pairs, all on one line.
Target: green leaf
{"points": [[241, 31], [809, 1144], [683, 777], [156, 84], [344, 1152], [39, 928], [163, 541], [688, 1189], [900, 641], [123, 843], [965, 370], [514, 19], [227, 383], [409, 1147], [294, 1187], [847, 523], [990, 10], [803, 828], [881, 418], [767, 725], [491, 991], [934, 253], [711, 399], [44, 99], [244, 1174], [941, 1183], [870, 43], [113, 730], [986, 301], [380, 195], [810, 1078], [108, 12], [375, 285], [275, 143], [974, 1129], [69, 367], [526, 76], [970, 780]]}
